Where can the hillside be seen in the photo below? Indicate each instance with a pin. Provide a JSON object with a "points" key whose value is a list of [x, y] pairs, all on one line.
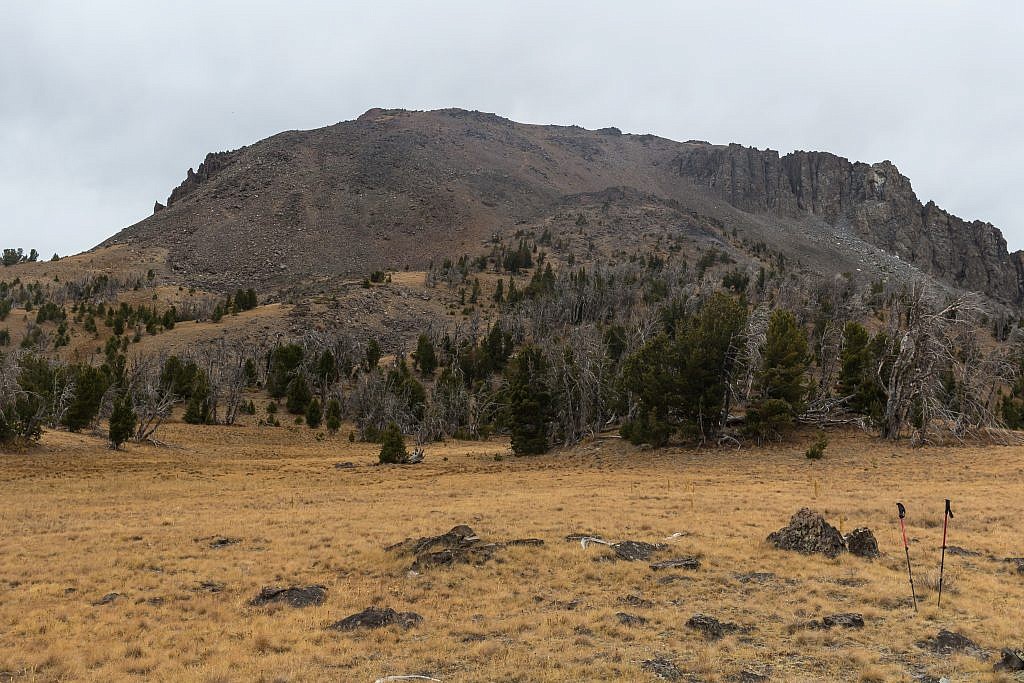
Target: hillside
{"points": [[397, 189]]}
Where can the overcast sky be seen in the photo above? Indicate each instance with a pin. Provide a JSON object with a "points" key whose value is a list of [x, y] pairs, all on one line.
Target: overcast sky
{"points": [[105, 105]]}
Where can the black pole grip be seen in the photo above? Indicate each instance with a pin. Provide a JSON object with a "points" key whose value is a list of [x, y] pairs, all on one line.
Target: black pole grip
{"points": [[903, 510], [949, 512]]}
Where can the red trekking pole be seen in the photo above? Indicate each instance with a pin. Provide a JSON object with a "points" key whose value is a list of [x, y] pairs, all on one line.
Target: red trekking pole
{"points": [[906, 547], [942, 564]]}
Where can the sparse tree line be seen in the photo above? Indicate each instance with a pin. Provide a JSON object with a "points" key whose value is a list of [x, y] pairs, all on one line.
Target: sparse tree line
{"points": [[86, 301], [649, 346]]}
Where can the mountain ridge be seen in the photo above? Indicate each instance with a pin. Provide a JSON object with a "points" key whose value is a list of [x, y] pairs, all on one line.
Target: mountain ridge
{"points": [[397, 188]]}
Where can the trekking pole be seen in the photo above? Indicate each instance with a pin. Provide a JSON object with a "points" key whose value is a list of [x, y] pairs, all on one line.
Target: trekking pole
{"points": [[906, 547], [942, 564]]}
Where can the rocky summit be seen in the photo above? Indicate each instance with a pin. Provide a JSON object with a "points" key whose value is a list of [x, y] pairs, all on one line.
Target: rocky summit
{"points": [[399, 189]]}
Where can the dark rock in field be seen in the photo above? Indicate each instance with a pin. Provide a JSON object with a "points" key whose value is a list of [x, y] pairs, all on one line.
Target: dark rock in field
{"points": [[107, 599], [947, 642], [844, 620], [712, 628], [749, 676], [627, 619], [808, 533], [662, 667], [1018, 561], [687, 562], [754, 577], [473, 554], [295, 596], [582, 630], [636, 550], [376, 617], [526, 541], [459, 536], [224, 541], [154, 602], [957, 551], [861, 542], [344, 465], [576, 538], [636, 601], [1012, 660], [210, 587]]}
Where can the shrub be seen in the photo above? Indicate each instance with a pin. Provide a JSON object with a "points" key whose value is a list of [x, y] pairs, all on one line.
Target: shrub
{"points": [[817, 449]]}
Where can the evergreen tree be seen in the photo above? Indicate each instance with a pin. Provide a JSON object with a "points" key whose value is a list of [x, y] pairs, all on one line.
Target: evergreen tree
{"points": [[680, 378], [198, 410], [314, 414], [90, 385], [392, 449], [284, 361], [529, 402], [333, 415], [499, 292], [782, 380], [299, 396], [373, 354], [122, 420], [862, 359], [424, 358]]}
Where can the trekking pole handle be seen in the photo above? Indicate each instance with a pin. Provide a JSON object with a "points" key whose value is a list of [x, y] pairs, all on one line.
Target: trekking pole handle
{"points": [[949, 511]]}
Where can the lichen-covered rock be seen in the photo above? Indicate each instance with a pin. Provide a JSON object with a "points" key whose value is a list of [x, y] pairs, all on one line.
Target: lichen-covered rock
{"points": [[377, 617], [861, 542], [295, 596], [808, 533]]}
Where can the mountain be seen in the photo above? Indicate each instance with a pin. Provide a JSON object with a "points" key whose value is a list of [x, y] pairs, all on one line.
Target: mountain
{"points": [[401, 189]]}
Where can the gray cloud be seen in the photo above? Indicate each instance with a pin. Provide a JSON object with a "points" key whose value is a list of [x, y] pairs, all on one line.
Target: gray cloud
{"points": [[104, 105]]}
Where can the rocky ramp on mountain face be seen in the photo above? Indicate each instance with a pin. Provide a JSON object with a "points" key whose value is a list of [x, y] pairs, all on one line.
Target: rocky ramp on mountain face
{"points": [[398, 188]]}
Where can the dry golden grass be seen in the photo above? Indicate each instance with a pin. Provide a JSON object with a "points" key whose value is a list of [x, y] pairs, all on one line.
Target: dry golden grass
{"points": [[78, 521]]}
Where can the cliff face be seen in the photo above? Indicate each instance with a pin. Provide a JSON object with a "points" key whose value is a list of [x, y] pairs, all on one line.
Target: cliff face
{"points": [[397, 189], [875, 201]]}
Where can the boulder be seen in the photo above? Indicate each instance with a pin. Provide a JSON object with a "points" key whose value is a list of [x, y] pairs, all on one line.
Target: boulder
{"points": [[808, 533], [948, 642], [635, 601], [662, 667], [1012, 660], [636, 550], [526, 541], [474, 554], [107, 599], [376, 617], [294, 596], [844, 620], [712, 628], [627, 619], [459, 536], [861, 542], [686, 562]]}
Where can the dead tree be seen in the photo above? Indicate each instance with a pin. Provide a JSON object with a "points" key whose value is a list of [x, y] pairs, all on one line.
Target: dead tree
{"points": [[152, 400]]}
